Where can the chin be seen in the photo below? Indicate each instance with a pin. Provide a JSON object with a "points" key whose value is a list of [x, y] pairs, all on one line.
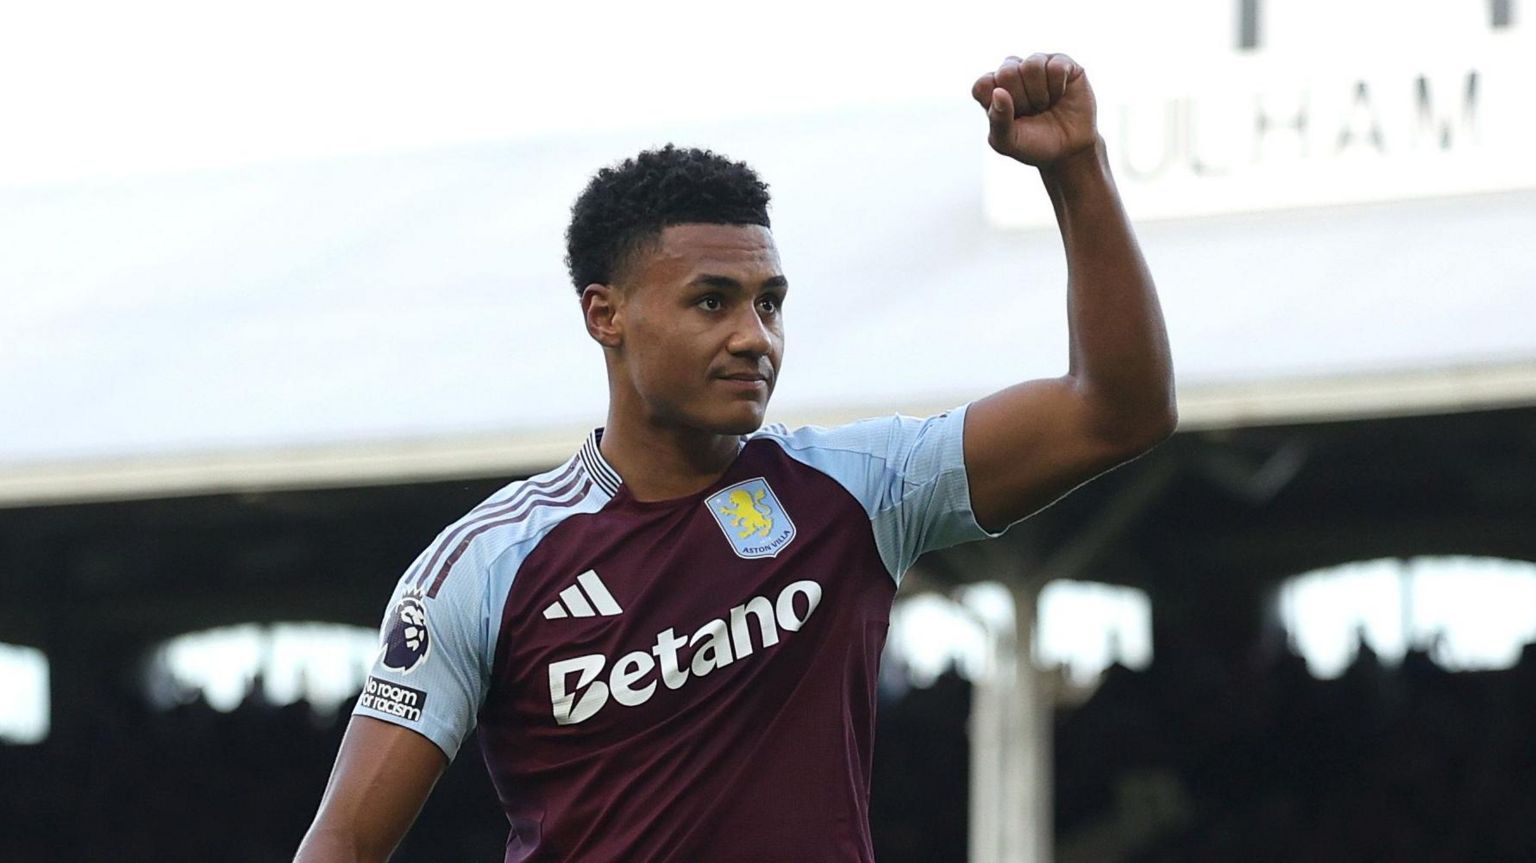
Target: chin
{"points": [[744, 425], [743, 428], [740, 419], [716, 416]]}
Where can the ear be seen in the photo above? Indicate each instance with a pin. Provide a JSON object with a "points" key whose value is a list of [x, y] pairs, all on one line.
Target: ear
{"points": [[600, 307]]}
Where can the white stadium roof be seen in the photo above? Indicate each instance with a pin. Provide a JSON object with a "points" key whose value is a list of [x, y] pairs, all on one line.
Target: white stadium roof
{"points": [[374, 318], [171, 322]]}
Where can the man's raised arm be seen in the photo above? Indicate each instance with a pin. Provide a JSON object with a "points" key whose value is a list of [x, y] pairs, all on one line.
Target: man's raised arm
{"points": [[1031, 443]]}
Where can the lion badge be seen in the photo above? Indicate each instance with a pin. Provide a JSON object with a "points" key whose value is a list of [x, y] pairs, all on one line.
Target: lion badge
{"points": [[752, 519]]}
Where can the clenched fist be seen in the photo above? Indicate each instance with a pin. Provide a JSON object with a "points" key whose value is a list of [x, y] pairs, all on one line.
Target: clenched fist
{"points": [[1041, 109]]}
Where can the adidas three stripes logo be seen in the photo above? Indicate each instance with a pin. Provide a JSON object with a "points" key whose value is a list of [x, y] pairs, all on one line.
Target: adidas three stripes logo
{"points": [[573, 602]]}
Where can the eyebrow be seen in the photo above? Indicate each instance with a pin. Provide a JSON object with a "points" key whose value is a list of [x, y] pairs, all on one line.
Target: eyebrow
{"points": [[729, 284]]}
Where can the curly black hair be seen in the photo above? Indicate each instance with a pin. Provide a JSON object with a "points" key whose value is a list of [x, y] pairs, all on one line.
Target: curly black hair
{"points": [[625, 207]]}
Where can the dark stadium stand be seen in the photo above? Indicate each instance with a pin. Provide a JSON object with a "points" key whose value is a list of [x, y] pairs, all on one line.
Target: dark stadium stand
{"points": [[1410, 764], [194, 784], [1192, 760], [1225, 749]]}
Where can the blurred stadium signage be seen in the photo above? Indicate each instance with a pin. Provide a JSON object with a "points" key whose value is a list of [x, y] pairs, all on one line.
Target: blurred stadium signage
{"points": [[1300, 104]]}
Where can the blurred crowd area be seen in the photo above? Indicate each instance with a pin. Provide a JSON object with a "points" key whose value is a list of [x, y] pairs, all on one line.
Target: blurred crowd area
{"points": [[1191, 760], [1197, 760], [196, 784]]}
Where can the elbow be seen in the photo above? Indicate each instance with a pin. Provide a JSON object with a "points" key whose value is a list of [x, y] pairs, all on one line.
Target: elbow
{"points": [[1155, 425], [1161, 428], [1167, 423], [1134, 424], [1147, 432]]}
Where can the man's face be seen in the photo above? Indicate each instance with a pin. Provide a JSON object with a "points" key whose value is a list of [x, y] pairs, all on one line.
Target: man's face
{"points": [[701, 331]]}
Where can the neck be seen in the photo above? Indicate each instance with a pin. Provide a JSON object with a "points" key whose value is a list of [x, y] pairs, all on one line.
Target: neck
{"points": [[659, 462]]}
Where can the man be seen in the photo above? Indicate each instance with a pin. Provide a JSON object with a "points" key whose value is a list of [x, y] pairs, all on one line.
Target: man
{"points": [[670, 642]]}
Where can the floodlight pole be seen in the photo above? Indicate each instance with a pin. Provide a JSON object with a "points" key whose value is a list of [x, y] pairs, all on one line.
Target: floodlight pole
{"points": [[1012, 727], [1011, 735]]}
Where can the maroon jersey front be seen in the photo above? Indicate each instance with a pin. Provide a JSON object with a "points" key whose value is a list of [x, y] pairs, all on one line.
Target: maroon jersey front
{"points": [[681, 680]]}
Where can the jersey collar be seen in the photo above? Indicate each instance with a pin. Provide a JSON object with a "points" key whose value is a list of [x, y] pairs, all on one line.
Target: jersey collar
{"points": [[596, 466], [607, 479]]}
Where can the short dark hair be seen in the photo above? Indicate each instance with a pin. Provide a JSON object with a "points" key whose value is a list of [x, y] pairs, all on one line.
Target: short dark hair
{"points": [[626, 206]]}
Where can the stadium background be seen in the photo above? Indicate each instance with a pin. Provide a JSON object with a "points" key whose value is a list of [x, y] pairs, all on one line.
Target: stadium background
{"points": [[281, 295]]}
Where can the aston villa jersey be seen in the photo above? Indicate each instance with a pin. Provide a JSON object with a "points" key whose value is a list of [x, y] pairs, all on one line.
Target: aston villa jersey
{"points": [[687, 680]]}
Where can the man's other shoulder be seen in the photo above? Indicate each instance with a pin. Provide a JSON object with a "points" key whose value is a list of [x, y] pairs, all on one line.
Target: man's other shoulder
{"points": [[884, 436]]}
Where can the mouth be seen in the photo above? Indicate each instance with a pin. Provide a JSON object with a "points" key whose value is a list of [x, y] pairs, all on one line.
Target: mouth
{"points": [[745, 382]]}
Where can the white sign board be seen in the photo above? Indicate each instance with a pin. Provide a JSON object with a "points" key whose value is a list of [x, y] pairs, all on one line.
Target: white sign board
{"points": [[1210, 107]]}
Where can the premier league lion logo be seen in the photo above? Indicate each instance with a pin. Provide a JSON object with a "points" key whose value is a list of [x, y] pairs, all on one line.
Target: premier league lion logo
{"points": [[406, 640]]}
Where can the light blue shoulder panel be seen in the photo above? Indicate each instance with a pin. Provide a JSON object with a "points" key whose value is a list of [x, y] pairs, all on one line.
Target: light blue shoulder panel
{"points": [[436, 686], [908, 473]]}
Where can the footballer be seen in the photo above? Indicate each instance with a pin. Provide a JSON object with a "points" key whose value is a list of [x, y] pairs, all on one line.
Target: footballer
{"points": [[669, 643]]}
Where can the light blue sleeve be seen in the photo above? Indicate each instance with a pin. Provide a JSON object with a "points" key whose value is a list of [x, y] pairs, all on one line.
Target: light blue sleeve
{"points": [[433, 665], [908, 473]]}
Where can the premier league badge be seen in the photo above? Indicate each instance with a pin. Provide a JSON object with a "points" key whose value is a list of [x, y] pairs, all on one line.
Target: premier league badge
{"points": [[406, 640], [753, 520]]}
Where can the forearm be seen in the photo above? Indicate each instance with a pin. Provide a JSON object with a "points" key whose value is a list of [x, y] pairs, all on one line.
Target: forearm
{"points": [[335, 839], [382, 776], [1118, 343], [328, 846]]}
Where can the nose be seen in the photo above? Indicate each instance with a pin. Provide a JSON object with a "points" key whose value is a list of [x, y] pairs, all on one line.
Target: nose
{"points": [[750, 335]]}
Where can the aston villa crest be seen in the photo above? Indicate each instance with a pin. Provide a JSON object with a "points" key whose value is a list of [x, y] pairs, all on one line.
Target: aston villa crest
{"points": [[752, 519]]}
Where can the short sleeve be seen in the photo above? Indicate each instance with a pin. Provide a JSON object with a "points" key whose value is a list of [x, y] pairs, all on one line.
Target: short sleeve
{"points": [[432, 668], [909, 474]]}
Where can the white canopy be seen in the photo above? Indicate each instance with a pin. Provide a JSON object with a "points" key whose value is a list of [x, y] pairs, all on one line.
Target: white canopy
{"points": [[386, 317]]}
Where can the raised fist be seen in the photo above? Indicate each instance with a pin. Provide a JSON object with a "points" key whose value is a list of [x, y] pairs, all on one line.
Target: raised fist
{"points": [[1041, 108]]}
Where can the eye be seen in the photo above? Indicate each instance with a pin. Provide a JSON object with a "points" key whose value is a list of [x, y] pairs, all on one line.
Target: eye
{"points": [[771, 303], [710, 303]]}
